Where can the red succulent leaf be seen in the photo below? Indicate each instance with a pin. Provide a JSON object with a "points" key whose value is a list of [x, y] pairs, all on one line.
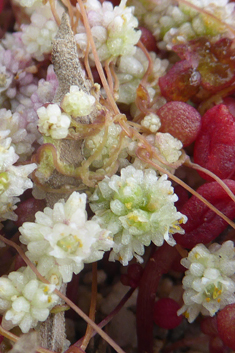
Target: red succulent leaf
{"points": [[148, 39], [2, 3], [181, 82], [208, 65], [217, 65], [230, 104], [26, 210], [214, 61], [159, 263], [203, 224], [133, 276], [183, 196], [181, 120], [165, 313], [209, 326], [216, 345], [226, 327], [215, 145]]}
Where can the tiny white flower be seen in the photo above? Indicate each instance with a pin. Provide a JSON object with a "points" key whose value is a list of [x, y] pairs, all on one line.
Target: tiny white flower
{"points": [[209, 281], [13, 182], [24, 300], [7, 152], [77, 102], [130, 69], [169, 146], [174, 24], [39, 34], [21, 139], [66, 236], [151, 122], [13, 179], [113, 28], [115, 143], [137, 207], [29, 3], [52, 122]]}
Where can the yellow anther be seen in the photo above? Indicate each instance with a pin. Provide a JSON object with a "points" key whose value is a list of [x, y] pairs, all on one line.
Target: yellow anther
{"points": [[128, 205], [133, 217], [54, 279], [46, 289], [216, 292], [176, 227], [186, 314], [219, 300], [208, 299]]}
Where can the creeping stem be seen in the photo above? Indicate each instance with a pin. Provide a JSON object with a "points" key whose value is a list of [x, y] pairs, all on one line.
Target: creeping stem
{"points": [[159, 263]]}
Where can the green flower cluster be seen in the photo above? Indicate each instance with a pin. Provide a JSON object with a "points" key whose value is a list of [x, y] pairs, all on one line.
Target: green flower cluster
{"points": [[137, 207]]}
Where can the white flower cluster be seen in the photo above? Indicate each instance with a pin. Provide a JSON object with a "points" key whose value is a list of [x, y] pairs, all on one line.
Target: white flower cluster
{"points": [[77, 102], [24, 300], [130, 69], [17, 85], [52, 122], [166, 147], [209, 282], [6, 77], [151, 122], [43, 95], [113, 29], [150, 13], [115, 146], [21, 139], [199, 24], [21, 91], [64, 234], [13, 179], [137, 207], [38, 35], [46, 89], [28, 6], [195, 24], [28, 3], [179, 23]]}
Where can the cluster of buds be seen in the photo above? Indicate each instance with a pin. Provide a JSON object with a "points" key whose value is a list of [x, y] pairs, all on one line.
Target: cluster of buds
{"points": [[209, 281]]}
